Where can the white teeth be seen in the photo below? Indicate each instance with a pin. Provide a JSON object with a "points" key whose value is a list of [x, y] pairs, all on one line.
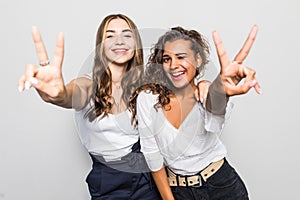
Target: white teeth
{"points": [[119, 50], [177, 74]]}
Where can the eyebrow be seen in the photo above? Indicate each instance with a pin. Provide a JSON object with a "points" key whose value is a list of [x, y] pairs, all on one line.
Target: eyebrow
{"points": [[177, 54], [123, 31]]}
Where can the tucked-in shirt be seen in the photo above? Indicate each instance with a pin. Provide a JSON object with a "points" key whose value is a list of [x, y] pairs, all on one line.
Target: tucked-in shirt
{"points": [[186, 150], [111, 137]]}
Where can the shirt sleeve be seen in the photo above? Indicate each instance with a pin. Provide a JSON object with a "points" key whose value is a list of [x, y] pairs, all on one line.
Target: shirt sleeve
{"points": [[215, 123], [149, 146], [88, 75]]}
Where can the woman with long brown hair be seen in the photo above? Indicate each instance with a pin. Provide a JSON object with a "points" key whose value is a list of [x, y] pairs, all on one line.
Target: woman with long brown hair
{"points": [[100, 101]]}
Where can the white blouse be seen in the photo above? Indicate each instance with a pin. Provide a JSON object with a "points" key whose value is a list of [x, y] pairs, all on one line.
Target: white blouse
{"points": [[186, 150], [111, 137]]}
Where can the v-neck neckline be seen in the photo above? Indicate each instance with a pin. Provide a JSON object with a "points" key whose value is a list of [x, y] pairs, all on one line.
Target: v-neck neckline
{"points": [[183, 121]]}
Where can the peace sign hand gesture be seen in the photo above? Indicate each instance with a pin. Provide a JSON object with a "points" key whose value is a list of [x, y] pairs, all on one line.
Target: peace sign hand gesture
{"points": [[232, 73], [46, 79]]}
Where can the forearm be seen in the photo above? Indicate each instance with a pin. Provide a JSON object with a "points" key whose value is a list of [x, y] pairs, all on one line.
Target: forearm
{"points": [[75, 94], [162, 183], [217, 99], [64, 97]]}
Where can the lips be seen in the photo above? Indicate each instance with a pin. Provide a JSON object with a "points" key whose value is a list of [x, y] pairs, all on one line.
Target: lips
{"points": [[177, 74], [120, 50]]}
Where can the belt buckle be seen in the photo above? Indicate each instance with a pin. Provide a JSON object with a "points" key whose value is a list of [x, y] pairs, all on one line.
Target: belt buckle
{"points": [[199, 184]]}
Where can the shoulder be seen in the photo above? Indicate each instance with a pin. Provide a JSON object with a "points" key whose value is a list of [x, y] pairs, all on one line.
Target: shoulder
{"points": [[147, 97]]}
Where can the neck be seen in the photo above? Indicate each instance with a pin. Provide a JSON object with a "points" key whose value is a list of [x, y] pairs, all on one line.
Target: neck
{"points": [[117, 72], [186, 92]]}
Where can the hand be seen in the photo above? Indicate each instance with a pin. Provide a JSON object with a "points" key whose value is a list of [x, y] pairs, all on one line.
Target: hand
{"points": [[202, 90], [233, 72], [46, 79]]}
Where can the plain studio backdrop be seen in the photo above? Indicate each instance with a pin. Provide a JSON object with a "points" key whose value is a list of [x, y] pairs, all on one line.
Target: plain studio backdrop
{"points": [[42, 157]]}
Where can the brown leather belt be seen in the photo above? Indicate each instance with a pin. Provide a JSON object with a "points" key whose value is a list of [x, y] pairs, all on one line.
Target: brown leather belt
{"points": [[194, 180]]}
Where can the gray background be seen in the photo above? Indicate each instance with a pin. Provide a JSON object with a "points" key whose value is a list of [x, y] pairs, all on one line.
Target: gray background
{"points": [[41, 155]]}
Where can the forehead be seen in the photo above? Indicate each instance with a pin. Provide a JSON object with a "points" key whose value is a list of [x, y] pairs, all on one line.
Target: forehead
{"points": [[177, 46], [117, 25]]}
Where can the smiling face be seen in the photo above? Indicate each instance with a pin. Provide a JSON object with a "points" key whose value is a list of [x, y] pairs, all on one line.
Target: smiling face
{"points": [[180, 63], [119, 43]]}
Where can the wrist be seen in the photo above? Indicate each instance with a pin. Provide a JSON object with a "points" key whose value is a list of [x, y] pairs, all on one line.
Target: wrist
{"points": [[217, 98]]}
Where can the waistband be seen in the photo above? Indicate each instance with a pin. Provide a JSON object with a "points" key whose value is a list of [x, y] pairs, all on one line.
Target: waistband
{"points": [[133, 162], [194, 180]]}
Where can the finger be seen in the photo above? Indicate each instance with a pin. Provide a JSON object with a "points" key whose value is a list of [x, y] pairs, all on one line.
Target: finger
{"points": [[222, 55], [249, 83], [247, 72], [258, 88], [21, 83], [59, 51], [239, 89], [39, 45], [203, 92], [196, 93], [31, 70], [244, 51]]}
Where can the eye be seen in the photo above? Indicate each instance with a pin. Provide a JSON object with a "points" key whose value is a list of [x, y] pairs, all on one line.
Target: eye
{"points": [[127, 36], [181, 57], [109, 36], [166, 59]]}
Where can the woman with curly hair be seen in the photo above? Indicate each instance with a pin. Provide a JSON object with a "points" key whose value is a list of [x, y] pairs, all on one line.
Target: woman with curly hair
{"points": [[180, 136]]}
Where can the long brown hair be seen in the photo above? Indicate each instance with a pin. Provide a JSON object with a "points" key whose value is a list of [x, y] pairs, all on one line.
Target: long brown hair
{"points": [[102, 80], [155, 80]]}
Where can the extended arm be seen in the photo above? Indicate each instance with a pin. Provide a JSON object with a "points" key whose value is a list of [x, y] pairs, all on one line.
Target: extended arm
{"points": [[48, 79], [227, 82]]}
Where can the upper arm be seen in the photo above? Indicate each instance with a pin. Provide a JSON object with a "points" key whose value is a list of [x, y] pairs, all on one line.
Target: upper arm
{"points": [[149, 145]]}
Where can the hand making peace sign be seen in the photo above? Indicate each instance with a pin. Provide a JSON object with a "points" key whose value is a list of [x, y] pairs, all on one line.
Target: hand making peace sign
{"points": [[233, 72], [46, 79]]}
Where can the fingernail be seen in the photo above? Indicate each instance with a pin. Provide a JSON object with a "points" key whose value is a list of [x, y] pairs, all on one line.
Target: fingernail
{"points": [[201, 100], [20, 88], [27, 85], [34, 81], [259, 91], [253, 83]]}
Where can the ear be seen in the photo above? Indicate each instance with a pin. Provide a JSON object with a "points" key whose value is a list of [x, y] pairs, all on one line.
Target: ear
{"points": [[198, 60]]}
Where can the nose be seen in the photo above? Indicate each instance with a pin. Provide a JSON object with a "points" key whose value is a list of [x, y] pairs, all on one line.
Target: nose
{"points": [[174, 64], [119, 40]]}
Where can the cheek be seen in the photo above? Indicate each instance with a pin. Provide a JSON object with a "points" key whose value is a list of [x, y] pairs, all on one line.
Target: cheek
{"points": [[132, 46], [191, 67], [165, 68], [131, 43], [193, 73], [107, 43], [106, 47]]}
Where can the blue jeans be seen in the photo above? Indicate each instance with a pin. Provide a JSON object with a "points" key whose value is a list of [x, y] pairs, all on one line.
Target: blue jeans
{"points": [[225, 184]]}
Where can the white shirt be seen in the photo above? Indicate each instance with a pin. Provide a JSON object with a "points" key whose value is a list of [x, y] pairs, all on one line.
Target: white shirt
{"points": [[111, 137], [186, 150]]}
